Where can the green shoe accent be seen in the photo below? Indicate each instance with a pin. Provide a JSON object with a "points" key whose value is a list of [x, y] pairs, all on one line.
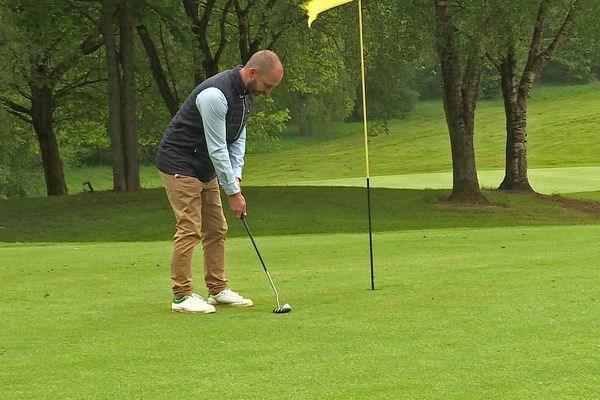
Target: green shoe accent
{"points": [[181, 300]]}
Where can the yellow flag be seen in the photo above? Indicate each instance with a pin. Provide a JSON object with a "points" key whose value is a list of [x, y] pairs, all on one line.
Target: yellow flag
{"points": [[315, 7]]}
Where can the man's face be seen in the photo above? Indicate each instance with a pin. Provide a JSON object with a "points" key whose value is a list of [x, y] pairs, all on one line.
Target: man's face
{"points": [[263, 84]]}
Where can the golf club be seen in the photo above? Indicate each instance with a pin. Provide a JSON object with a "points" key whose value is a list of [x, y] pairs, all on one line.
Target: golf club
{"points": [[280, 309]]}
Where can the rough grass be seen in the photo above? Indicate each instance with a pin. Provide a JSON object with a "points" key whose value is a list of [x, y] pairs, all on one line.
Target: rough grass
{"points": [[106, 216]]}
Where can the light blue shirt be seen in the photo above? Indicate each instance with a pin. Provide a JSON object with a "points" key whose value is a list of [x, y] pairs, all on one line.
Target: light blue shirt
{"points": [[228, 160]]}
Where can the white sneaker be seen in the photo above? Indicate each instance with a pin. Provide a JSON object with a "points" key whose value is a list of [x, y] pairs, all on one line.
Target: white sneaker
{"points": [[192, 304], [230, 298]]}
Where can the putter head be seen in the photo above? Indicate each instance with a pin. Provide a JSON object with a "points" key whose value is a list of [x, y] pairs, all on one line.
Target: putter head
{"points": [[286, 308]]}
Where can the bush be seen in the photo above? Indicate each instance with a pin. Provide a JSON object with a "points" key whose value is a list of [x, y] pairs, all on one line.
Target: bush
{"points": [[560, 72], [20, 166]]}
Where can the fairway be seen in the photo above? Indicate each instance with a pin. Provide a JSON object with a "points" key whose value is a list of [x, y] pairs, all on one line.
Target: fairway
{"points": [[543, 180], [490, 313]]}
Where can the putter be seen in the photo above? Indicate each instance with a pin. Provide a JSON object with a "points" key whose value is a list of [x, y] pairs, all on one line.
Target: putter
{"points": [[286, 308]]}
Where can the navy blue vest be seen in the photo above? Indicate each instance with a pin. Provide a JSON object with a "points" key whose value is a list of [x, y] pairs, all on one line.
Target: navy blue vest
{"points": [[182, 149]]}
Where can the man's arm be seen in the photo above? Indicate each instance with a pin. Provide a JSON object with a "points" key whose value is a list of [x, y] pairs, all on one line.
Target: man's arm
{"points": [[237, 150], [212, 105]]}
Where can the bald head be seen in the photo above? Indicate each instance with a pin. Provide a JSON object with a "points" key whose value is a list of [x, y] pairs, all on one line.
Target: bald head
{"points": [[262, 72], [264, 61]]}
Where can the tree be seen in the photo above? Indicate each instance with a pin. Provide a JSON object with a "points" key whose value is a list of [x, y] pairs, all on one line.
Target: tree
{"points": [[159, 19], [109, 9], [48, 43], [460, 89], [516, 89], [19, 167], [316, 73], [169, 97], [210, 46], [128, 98], [260, 23]]}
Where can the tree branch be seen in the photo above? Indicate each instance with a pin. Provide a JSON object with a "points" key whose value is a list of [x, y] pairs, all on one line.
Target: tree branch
{"points": [[493, 61], [223, 41], [68, 88], [11, 105], [168, 62], [20, 116], [157, 70], [536, 43], [561, 36], [472, 77], [26, 95], [89, 45]]}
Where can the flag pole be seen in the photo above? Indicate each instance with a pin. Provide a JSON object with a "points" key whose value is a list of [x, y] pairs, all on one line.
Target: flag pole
{"points": [[366, 135]]}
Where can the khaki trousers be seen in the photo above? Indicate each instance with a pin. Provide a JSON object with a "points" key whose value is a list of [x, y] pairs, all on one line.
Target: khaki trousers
{"points": [[199, 214]]}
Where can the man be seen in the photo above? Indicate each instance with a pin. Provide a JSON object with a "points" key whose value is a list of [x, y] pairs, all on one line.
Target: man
{"points": [[206, 140]]}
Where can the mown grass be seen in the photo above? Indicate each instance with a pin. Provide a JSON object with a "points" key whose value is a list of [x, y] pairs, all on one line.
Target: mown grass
{"points": [[593, 196], [489, 313], [563, 131]]}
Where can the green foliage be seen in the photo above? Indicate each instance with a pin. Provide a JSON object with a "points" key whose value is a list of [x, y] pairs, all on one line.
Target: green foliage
{"points": [[266, 123], [316, 87], [490, 87], [49, 33], [390, 93], [575, 63], [322, 80], [19, 164], [81, 115]]}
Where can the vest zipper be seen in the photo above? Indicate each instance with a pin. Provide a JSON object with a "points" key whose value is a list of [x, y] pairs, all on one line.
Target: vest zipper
{"points": [[243, 116]]}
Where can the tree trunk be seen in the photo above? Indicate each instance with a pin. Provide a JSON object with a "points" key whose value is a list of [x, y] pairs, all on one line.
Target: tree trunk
{"points": [[515, 108], [304, 123], [157, 71], [128, 98], [210, 66], [198, 70], [42, 109], [460, 98], [114, 106], [243, 41], [516, 94]]}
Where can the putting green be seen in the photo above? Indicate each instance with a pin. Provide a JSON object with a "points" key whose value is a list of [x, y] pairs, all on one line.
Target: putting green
{"points": [[495, 313], [543, 180]]}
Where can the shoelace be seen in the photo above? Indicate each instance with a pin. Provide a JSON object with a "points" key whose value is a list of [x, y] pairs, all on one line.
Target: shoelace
{"points": [[197, 296], [231, 293]]}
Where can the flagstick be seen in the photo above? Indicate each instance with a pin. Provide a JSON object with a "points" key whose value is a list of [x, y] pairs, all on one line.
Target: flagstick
{"points": [[364, 102]]}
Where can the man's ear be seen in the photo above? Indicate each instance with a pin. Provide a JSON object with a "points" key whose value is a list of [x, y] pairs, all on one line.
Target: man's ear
{"points": [[252, 73]]}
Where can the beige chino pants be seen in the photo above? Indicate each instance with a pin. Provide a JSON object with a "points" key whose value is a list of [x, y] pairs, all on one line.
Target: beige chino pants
{"points": [[199, 214]]}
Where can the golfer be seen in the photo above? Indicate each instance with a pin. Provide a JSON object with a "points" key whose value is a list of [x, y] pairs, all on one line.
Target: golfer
{"points": [[203, 149]]}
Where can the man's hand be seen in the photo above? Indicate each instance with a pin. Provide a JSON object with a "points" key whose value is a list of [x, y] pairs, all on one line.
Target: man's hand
{"points": [[237, 203]]}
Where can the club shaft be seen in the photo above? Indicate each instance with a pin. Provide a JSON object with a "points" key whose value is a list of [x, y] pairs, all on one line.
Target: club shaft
{"points": [[262, 262]]}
